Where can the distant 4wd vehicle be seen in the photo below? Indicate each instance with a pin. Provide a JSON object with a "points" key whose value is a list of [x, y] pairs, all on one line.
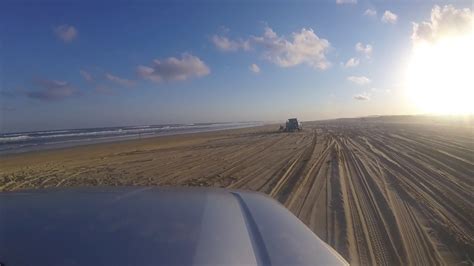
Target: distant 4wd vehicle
{"points": [[292, 125]]}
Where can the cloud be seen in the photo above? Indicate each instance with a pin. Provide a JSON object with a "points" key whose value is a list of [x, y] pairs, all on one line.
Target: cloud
{"points": [[225, 44], [172, 68], [359, 80], [444, 21], [389, 17], [86, 75], [254, 68], [353, 62], [339, 2], [66, 33], [365, 49], [362, 97], [304, 47], [52, 90], [120, 81], [148, 73], [370, 12]]}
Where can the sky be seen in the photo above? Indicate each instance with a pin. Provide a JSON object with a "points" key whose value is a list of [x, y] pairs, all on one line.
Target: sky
{"points": [[76, 64]]}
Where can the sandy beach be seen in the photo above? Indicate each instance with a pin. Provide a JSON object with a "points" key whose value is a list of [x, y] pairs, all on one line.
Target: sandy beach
{"points": [[379, 193]]}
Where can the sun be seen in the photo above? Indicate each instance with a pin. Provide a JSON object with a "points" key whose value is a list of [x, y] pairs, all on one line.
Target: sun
{"points": [[439, 76]]}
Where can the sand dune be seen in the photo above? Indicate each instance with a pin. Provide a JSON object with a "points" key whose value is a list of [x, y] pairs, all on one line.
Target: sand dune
{"points": [[379, 193]]}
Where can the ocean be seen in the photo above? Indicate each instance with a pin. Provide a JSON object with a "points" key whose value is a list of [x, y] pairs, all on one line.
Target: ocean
{"points": [[50, 139]]}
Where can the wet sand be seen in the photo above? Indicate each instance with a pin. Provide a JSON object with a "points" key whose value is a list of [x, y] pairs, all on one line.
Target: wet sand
{"points": [[379, 193]]}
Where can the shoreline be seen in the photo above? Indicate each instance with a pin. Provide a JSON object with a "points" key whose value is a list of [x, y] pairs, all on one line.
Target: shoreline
{"points": [[116, 139], [162, 141]]}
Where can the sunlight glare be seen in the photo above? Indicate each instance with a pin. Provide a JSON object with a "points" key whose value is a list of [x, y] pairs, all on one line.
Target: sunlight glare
{"points": [[439, 77]]}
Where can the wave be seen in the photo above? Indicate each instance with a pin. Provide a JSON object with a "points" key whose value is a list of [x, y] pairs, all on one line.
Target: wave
{"points": [[84, 133], [45, 136], [14, 138]]}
